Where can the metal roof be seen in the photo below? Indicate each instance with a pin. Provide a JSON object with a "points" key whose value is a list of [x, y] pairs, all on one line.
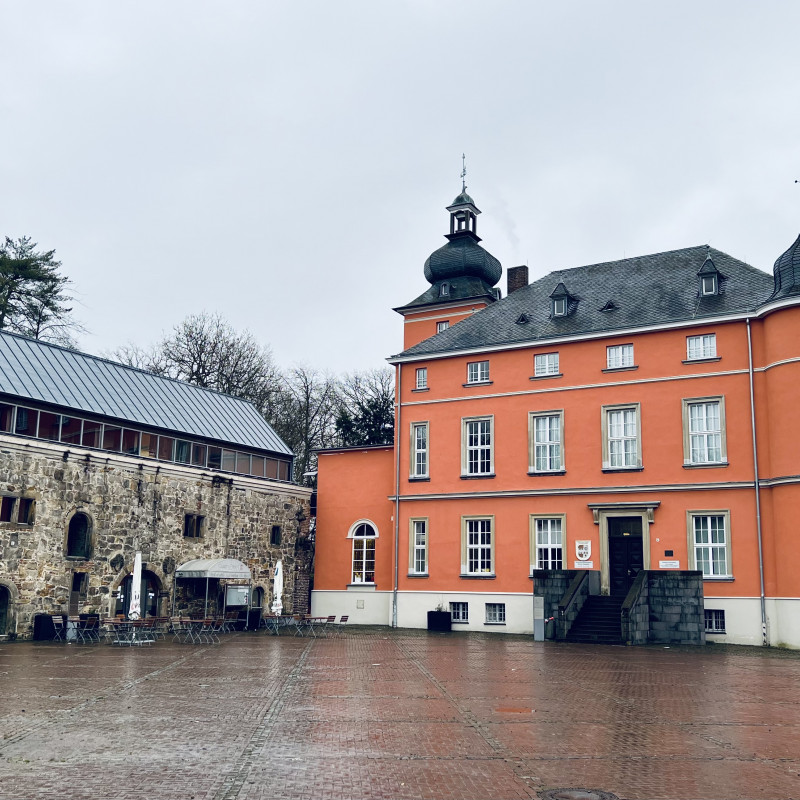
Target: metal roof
{"points": [[213, 568], [43, 372]]}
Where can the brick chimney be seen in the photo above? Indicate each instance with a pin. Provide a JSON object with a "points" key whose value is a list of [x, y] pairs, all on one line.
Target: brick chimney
{"points": [[517, 278]]}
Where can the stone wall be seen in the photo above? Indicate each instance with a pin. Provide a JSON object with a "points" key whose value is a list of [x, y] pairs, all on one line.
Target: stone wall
{"points": [[137, 505], [551, 585], [676, 606]]}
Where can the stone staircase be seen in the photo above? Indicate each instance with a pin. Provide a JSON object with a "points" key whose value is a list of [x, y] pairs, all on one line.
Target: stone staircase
{"points": [[599, 621]]}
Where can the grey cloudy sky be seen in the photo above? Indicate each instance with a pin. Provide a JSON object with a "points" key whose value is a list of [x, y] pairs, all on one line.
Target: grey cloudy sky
{"points": [[288, 163]]}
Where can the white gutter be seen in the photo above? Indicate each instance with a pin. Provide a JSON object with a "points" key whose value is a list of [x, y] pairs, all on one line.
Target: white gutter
{"points": [[764, 636]]}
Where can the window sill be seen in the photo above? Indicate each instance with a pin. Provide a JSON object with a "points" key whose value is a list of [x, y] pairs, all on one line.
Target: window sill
{"points": [[470, 576], [623, 469], [542, 377], [419, 478], [544, 472], [706, 465], [478, 477], [364, 585], [621, 369], [702, 360], [417, 575], [494, 623], [711, 633], [459, 621], [423, 389], [477, 383], [718, 578]]}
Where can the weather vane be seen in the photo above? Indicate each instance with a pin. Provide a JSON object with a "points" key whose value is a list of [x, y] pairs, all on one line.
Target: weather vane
{"points": [[464, 172]]}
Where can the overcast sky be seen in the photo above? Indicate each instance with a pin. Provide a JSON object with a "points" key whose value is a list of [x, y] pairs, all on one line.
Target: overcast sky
{"points": [[288, 164]]}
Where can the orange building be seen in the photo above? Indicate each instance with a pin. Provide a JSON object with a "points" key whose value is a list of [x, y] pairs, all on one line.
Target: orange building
{"points": [[621, 421]]}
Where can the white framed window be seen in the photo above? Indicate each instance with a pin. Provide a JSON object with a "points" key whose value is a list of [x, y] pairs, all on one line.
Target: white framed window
{"points": [[459, 612], [700, 347], [442, 326], [619, 356], [545, 364], [559, 306], [477, 446], [715, 620], [709, 538], [621, 441], [418, 550], [444, 290], [422, 377], [708, 284], [547, 541], [477, 372], [546, 437], [704, 440], [477, 546], [419, 450], [495, 613], [363, 533]]}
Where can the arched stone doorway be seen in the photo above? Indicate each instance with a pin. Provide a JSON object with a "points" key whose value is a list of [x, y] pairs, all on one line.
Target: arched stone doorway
{"points": [[150, 588]]}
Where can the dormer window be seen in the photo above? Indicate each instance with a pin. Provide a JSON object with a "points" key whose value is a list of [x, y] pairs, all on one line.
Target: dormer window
{"points": [[560, 301], [708, 284], [444, 290], [710, 277]]}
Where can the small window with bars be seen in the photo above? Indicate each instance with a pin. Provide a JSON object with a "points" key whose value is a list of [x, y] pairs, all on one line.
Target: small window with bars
{"points": [[193, 526], [715, 620], [459, 612], [495, 613]]}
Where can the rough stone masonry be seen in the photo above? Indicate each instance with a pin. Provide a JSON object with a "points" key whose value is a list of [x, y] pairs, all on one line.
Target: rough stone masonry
{"points": [[133, 504]]}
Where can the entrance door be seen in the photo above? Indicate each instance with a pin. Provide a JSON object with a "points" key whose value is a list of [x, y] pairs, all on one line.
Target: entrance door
{"points": [[625, 553]]}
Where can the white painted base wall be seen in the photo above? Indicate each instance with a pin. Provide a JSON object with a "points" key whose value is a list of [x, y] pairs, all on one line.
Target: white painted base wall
{"points": [[413, 608], [743, 621], [366, 606]]}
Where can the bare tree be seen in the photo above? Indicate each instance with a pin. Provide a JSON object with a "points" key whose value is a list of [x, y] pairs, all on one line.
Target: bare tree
{"points": [[366, 410], [205, 350], [305, 415]]}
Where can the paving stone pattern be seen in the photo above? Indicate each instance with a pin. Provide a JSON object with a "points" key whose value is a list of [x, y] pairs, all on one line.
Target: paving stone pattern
{"points": [[396, 714]]}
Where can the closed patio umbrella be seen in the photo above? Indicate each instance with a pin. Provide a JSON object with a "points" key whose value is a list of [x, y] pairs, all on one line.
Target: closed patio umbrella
{"points": [[135, 608], [277, 601]]}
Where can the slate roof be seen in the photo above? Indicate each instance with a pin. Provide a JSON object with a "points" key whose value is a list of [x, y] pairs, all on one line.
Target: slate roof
{"points": [[463, 288], [648, 290], [787, 271], [35, 370]]}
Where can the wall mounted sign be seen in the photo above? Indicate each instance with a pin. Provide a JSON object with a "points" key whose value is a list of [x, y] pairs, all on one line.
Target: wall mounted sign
{"points": [[583, 549]]}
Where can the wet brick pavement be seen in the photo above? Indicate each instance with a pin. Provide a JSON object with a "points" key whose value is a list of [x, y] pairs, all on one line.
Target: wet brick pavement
{"points": [[387, 714]]}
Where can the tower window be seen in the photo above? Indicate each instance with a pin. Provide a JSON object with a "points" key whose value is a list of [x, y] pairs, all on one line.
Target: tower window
{"points": [[444, 290]]}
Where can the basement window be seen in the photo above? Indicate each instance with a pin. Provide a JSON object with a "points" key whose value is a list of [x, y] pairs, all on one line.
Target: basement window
{"points": [[715, 620]]}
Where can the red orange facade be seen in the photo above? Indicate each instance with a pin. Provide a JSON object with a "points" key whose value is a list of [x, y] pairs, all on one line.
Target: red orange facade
{"points": [[615, 417]]}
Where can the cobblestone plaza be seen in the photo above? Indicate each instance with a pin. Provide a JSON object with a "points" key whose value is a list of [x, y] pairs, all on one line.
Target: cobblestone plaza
{"points": [[396, 714]]}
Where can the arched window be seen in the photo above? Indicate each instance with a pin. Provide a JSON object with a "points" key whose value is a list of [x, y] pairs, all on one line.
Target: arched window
{"points": [[79, 537], [363, 534]]}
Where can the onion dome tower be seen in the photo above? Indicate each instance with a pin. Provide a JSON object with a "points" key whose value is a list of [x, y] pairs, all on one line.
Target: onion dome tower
{"points": [[786, 272], [461, 273]]}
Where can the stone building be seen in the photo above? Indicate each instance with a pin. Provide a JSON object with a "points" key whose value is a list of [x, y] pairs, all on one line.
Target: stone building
{"points": [[99, 461]]}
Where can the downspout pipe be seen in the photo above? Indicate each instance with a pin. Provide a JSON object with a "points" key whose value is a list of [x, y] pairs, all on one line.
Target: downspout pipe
{"points": [[764, 636], [397, 439]]}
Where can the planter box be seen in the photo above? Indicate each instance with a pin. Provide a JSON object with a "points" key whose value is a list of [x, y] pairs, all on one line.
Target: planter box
{"points": [[439, 620]]}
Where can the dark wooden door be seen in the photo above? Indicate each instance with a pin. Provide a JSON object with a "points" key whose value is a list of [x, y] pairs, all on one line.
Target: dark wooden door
{"points": [[625, 552]]}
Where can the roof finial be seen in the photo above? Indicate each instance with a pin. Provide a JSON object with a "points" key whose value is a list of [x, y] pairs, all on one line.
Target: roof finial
{"points": [[463, 172]]}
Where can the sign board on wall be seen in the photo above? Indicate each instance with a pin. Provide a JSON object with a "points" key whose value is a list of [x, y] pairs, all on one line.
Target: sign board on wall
{"points": [[583, 565], [669, 564]]}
